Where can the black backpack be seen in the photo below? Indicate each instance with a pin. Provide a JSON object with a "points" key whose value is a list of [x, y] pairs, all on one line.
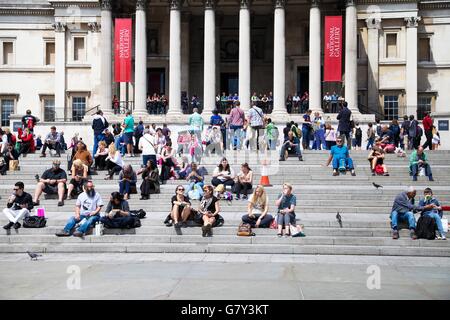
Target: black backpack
{"points": [[358, 133], [34, 222], [426, 228], [138, 213]]}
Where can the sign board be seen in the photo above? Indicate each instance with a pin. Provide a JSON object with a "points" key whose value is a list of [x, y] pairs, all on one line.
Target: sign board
{"points": [[18, 124], [442, 125]]}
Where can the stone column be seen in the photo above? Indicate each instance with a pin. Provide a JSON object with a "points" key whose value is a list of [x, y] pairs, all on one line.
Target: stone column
{"points": [[279, 56], [60, 70], [351, 62], [106, 57], [95, 60], [411, 65], [175, 58], [373, 27], [140, 107], [315, 79], [209, 66], [185, 26], [244, 54]]}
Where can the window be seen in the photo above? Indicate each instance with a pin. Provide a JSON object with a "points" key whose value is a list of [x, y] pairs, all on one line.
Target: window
{"points": [[7, 108], [79, 53], [49, 53], [78, 108], [423, 105], [49, 109], [391, 45], [424, 49], [390, 107], [8, 53]]}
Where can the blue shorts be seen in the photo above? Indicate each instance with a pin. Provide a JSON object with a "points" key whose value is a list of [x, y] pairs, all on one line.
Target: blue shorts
{"points": [[128, 137]]}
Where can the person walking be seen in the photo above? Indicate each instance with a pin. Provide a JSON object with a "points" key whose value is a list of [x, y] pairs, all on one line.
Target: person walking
{"points": [[344, 126], [99, 124]]}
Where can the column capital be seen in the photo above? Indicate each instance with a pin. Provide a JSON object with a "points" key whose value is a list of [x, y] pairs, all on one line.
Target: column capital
{"points": [[94, 26], [315, 3], [210, 4], [279, 3], [245, 4], [141, 4], [373, 23], [106, 5], [350, 3], [175, 4], [59, 26], [412, 22]]}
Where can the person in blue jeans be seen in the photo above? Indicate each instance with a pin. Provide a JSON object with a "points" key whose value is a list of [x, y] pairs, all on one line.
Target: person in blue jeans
{"points": [[127, 180], [403, 209], [87, 211], [306, 128], [341, 158], [435, 213], [292, 143], [195, 180]]}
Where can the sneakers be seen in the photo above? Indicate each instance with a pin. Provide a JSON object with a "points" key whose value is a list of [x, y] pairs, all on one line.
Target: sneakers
{"points": [[414, 178], [386, 174], [413, 235], [245, 197], [300, 158], [238, 197], [62, 233], [60, 203], [430, 178], [335, 172], [78, 234], [8, 226], [17, 225], [36, 203], [184, 224], [443, 237], [42, 155], [353, 172], [281, 159], [177, 225], [395, 234]]}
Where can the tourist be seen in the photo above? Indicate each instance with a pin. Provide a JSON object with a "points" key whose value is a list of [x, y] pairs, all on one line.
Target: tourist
{"points": [[341, 158], [196, 123], [257, 211], [127, 181], [181, 208], [18, 206], [427, 123], [436, 139], [150, 180], [306, 128], [128, 126], [305, 101], [330, 136], [166, 132], [108, 137], [223, 174], [117, 213], [289, 104], [419, 161], [79, 177], [208, 213], [100, 156], [403, 209], [29, 121], [271, 134], [434, 213], [318, 125], [236, 121], [138, 133], [160, 140], [243, 182], [53, 142], [83, 154], [327, 102], [99, 124], [414, 133], [215, 142], [344, 126], [116, 105], [87, 212], [395, 129], [285, 203], [370, 136], [404, 130], [148, 147], [8, 155], [387, 139], [291, 144], [114, 162], [376, 159], [52, 181], [196, 179], [256, 121], [357, 136], [334, 102], [25, 138]]}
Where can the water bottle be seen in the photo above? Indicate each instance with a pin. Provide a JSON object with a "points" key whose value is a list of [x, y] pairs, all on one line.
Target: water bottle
{"points": [[98, 229]]}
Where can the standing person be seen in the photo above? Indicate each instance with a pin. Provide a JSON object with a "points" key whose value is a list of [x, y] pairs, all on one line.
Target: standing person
{"points": [[271, 134], [166, 132], [196, 123], [427, 123], [404, 130], [344, 127], [116, 105], [330, 136], [18, 207], [138, 133], [413, 133], [436, 139], [286, 203], [306, 128], [236, 120], [370, 136], [29, 121], [148, 147], [319, 131], [128, 125], [257, 211], [256, 121], [243, 182], [395, 128], [168, 163], [357, 136], [99, 124]]}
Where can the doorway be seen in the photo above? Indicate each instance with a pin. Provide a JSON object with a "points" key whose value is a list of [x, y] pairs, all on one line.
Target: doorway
{"points": [[229, 83], [302, 80], [156, 81]]}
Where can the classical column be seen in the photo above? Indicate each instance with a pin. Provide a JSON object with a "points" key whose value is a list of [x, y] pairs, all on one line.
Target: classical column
{"points": [[95, 60], [140, 59], [244, 54], [315, 83], [209, 66], [185, 32], [373, 27], [175, 58], [106, 56], [279, 56], [60, 70], [351, 63], [411, 65]]}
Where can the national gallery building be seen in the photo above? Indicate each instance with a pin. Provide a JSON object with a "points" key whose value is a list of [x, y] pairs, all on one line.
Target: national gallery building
{"points": [[57, 58]]}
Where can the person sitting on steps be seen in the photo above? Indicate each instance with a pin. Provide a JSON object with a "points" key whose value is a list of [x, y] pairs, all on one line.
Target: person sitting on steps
{"points": [[417, 161], [181, 208], [341, 158], [258, 206], [117, 213], [18, 207], [208, 213], [52, 141], [291, 144], [79, 177], [150, 180], [52, 181], [435, 213], [376, 159]]}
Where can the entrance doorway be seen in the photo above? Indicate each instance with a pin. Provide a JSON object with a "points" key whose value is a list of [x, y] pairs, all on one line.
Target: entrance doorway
{"points": [[302, 80], [156, 81], [229, 83]]}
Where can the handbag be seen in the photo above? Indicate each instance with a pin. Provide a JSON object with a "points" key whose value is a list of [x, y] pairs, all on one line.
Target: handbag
{"points": [[296, 231], [13, 165], [274, 224], [34, 222], [245, 230], [444, 222]]}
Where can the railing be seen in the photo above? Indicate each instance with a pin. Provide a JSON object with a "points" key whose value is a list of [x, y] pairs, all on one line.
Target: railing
{"points": [[365, 110], [96, 108], [121, 107], [157, 107], [187, 106]]}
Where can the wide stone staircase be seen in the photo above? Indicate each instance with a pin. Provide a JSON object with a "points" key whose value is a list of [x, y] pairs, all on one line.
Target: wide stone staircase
{"points": [[364, 209]]}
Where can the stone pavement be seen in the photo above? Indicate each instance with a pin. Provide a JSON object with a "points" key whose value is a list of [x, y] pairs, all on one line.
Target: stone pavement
{"points": [[221, 276]]}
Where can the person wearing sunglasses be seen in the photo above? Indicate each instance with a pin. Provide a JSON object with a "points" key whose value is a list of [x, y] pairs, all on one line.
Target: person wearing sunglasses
{"points": [[341, 158], [181, 208], [18, 207]]}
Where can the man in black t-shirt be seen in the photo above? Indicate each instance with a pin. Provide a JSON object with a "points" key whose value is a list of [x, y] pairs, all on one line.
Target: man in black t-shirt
{"points": [[29, 121], [52, 181], [18, 207]]}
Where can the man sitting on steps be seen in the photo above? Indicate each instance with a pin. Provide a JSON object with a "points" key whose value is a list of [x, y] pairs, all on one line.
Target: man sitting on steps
{"points": [[52, 141], [292, 143], [52, 181], [435, 213], [18, 207], [417, 161], [341, 159]]}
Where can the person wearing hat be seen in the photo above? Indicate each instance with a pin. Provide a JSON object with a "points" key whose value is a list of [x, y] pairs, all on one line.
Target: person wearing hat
{"points": [[52, 181]]}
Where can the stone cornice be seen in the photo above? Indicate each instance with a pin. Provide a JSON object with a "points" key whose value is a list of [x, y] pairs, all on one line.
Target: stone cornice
{"points": [[385, 1], [21, 11], [412, 22], [141, 4], [59, 26], [424, 5], [175, 4], [77, 4], [94, 26], [279, 3]]}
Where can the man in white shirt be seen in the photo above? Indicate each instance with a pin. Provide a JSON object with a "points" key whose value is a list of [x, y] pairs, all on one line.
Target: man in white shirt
{"points": [[256, 122], [87, 211], [296, 101], [327, 102], [147, 145]]}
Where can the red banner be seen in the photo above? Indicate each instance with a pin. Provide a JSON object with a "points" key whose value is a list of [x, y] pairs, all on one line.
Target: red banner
{"points": [[333, 49], [122, 45]]}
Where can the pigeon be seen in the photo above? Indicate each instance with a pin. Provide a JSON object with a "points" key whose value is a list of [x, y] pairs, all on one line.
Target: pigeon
{"points": [[33, 256], [339, 219], [377, 185]]}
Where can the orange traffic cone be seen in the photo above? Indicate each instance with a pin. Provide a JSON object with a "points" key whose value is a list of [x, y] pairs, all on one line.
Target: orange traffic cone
{"points": [[264, 181]]}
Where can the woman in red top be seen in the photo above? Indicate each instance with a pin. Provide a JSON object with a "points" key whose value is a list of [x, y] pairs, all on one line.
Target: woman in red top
{"points": [[26, 140]]}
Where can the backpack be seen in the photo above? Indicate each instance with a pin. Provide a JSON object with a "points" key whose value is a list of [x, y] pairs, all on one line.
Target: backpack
{"points": [[137, 222], [426, 228], [379, 169], [245, 230], [34, 222], [358, 133], [138, 213]]}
